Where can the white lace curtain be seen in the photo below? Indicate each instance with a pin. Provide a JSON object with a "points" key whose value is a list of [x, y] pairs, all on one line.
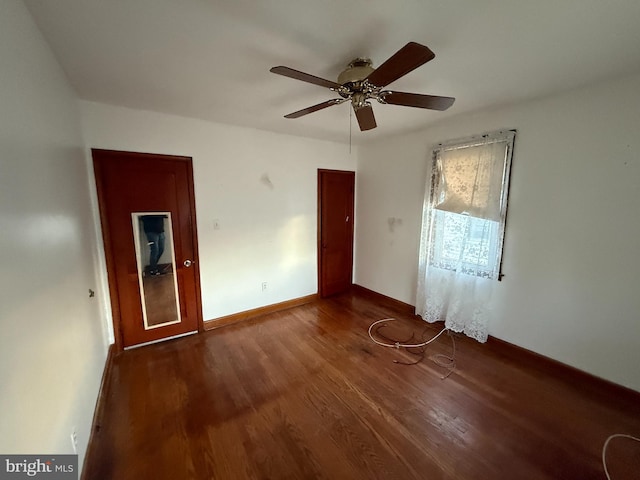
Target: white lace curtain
{"points": [[462, 232]]}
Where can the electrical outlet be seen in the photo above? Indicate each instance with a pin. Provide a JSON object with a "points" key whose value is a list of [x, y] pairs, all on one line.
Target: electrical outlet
{"points": [[74, 440], [264, 286]]}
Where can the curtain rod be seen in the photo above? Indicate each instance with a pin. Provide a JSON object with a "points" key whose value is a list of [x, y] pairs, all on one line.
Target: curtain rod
{"points": [[467, 140]]}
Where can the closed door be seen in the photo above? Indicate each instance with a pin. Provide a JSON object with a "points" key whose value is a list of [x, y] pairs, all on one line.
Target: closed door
{"points": [[147, 211], [335, 231]]}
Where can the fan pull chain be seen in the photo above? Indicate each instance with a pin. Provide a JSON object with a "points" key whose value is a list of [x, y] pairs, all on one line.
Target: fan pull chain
{"points": [[350, 110]]}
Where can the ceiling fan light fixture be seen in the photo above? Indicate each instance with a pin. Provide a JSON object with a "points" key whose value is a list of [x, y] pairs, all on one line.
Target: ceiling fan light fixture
{"points": [[356, 71]]}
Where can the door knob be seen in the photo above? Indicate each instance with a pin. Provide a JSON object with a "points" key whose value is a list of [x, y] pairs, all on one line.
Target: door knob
{"points": [[188, 263]]}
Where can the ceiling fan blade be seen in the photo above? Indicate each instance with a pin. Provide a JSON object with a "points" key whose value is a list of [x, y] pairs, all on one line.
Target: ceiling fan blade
{"points": [[408, 58], [305, 77], [366, 119], [431, 102], [315, 108]]}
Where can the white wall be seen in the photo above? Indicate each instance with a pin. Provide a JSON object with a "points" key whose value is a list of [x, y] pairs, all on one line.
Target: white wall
{"points": [[259, 187], [52, 344], [571, 258]]}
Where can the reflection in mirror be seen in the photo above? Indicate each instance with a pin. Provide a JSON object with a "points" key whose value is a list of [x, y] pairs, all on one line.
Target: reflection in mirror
{"points": [[156, 263]]}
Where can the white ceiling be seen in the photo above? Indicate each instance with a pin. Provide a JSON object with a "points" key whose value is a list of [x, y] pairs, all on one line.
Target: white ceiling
{"points": [[210, 59]]}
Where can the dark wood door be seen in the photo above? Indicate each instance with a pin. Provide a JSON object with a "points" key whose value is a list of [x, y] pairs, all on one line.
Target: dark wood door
{"points": [[335, 231], [153, 270]]}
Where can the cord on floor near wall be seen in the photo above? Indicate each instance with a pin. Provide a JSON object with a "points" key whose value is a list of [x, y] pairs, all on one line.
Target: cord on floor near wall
{"points": [[606, 444], [440, 359], [398, 344], [446, 361]]}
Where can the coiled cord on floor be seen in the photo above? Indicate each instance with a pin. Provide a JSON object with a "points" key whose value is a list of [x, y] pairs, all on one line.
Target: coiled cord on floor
{"points": [[399, 344], [606, 444], [441, 360]]}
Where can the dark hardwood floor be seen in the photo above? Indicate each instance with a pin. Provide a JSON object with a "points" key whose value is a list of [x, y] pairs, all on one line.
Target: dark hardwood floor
{"points": [[305, 394]]}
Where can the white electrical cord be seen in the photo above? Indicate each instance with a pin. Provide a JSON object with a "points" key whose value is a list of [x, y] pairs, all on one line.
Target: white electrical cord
{"points": [[604, 449], [398, 344], [440, 360], [446, 361]]}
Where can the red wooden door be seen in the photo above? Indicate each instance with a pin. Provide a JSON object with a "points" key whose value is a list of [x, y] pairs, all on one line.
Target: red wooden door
{"points": [[335, 231], [153, 276]]}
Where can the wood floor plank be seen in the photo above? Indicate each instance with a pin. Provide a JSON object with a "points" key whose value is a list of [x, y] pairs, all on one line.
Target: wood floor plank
{"points": [[305, 394]]}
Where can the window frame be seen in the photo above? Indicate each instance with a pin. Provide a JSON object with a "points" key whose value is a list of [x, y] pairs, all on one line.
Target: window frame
{"points": [[507, 136]]}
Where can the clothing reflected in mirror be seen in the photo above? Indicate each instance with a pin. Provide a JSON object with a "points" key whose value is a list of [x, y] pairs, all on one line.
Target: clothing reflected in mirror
{"points": [[156, 268], [153, 226]]}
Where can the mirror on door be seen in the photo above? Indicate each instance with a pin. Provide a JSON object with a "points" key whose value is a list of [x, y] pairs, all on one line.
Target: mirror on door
{"points": [[152, 233]]}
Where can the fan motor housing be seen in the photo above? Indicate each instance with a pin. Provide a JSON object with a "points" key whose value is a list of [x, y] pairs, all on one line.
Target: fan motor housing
{"points": [[356, 71]]}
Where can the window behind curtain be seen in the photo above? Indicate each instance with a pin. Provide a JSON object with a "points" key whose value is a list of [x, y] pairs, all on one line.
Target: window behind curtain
{"points": [[467, 205]]}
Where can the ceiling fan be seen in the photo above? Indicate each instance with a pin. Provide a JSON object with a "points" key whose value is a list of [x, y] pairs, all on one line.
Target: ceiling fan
{"points": [[360, 82]]}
